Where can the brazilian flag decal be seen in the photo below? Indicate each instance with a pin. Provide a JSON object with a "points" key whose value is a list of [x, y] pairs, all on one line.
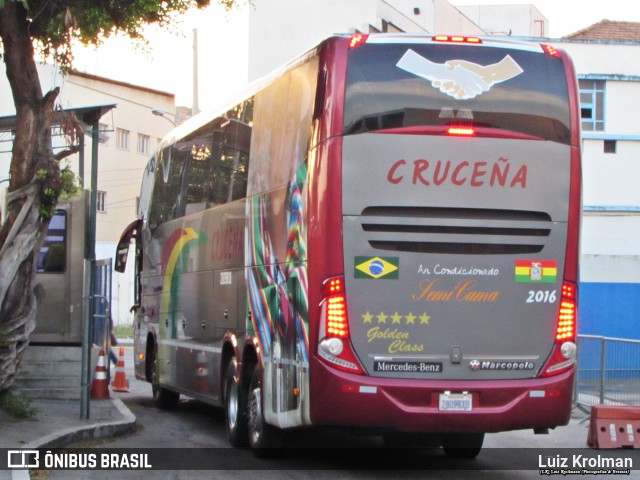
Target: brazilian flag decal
{"points": [[376, 267]]}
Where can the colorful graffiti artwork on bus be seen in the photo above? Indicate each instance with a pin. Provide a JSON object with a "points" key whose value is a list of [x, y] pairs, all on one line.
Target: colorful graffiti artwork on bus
{"points": [[277, 289], [277, 286], [174, 259]]}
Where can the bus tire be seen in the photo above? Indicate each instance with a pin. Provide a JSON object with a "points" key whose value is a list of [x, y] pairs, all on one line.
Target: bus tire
{"points": [[235, 406], [165, 399], [264, 439], [162, 398], [463, 445]]}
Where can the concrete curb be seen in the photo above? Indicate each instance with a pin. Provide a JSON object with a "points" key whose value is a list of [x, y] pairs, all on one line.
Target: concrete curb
{"points": [[67, 436]]}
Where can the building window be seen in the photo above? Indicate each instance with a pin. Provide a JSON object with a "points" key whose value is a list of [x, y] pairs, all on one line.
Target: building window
{"points": [[610, 146], [122, 139], [592, 105], [101, 201], [144, 144]]}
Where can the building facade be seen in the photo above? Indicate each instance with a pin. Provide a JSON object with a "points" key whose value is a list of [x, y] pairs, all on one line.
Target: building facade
{"points": [[276, 34], [129, 133], [607, 60], [517, 20]]}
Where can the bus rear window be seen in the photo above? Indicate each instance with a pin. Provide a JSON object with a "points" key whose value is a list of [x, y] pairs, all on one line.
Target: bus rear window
{"points": [[393, 86]]}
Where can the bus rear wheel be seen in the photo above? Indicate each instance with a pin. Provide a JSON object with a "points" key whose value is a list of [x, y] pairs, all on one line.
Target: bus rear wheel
{"points": [[463, 445], [235, 406], [263, 438], [165, 399], [162, 398]]}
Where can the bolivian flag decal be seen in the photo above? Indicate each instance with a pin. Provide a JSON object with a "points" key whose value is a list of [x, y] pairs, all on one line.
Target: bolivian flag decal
{"points": [[536, 271], [376, 267]]}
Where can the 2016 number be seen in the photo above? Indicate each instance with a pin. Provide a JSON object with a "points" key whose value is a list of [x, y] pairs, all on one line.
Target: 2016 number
{"points": [[542, 296]]}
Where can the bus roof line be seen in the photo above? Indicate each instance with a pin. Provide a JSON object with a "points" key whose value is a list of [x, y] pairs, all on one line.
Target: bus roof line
{"points": [[386, 38], [202, 118]]}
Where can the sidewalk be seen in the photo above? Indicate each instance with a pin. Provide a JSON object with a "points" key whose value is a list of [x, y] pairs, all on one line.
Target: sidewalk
{"points": [[57, 423]]}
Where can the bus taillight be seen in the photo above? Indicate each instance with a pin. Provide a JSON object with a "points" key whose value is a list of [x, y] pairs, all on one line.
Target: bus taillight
{"points": [[358, 39], [456, 39], [563, 356], [337, 324], [335, 342], [550, 50], [461, 131], [566, 329]]}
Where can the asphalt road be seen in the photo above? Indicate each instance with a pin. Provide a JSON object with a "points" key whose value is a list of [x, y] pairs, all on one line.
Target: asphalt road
{"points": [[193, 436]]}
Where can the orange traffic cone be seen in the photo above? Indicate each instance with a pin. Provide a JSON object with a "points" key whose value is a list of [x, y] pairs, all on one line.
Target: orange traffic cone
{"points": [[100, 385], [202, 373], [120, 383]]}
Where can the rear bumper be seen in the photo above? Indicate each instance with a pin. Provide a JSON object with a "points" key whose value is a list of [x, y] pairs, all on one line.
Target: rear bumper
{"points": [[342, 399]]}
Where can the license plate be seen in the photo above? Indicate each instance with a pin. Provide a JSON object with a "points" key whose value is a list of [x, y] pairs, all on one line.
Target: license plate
{"points": [[455, 402]]}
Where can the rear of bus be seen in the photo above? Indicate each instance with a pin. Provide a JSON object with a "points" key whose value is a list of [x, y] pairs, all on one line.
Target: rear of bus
{"points": [[459, 206]]}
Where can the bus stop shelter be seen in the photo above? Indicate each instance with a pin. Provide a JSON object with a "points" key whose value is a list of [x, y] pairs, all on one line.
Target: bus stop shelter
{"points": [[88, 118]]}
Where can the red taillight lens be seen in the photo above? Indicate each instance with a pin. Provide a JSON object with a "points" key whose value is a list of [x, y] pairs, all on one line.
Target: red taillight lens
{"points": [[569, 291], [333, 286], [337, 324], [335, 343], [550, 50], [461, 132], [357, 40], [563, 355], [567, 315], [456, 39], [566, 322]]}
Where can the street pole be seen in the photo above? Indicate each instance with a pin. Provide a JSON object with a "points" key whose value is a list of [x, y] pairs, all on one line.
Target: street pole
{"points": [[195, 108], [90, 277]]}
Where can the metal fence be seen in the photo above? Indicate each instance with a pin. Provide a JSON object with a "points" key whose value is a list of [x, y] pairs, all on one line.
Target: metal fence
{"points": [[608, 371]]}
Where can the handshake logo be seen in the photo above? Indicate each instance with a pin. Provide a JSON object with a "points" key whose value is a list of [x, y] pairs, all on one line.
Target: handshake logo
{"points": [[459, 79], [23, 459]]}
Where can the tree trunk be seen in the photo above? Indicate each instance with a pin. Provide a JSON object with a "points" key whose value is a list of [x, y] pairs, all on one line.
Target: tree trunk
{"points": [[23, 232]]}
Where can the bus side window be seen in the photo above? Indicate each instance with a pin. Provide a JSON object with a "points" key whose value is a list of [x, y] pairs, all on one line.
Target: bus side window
{"points": [[231, 143], [242, 122], [156, 212], [167, 202], [197, 147]]}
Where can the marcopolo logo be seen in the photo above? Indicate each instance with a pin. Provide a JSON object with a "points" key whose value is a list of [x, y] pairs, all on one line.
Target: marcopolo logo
{"points": [[500, 365], [376, 267]]}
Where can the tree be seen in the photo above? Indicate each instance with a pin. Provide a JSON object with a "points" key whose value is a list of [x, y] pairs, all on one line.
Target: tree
{"points": [[36, 179]]}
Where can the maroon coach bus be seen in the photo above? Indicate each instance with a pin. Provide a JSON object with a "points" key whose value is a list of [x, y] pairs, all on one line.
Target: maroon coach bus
{"points": [[383, 234]]}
